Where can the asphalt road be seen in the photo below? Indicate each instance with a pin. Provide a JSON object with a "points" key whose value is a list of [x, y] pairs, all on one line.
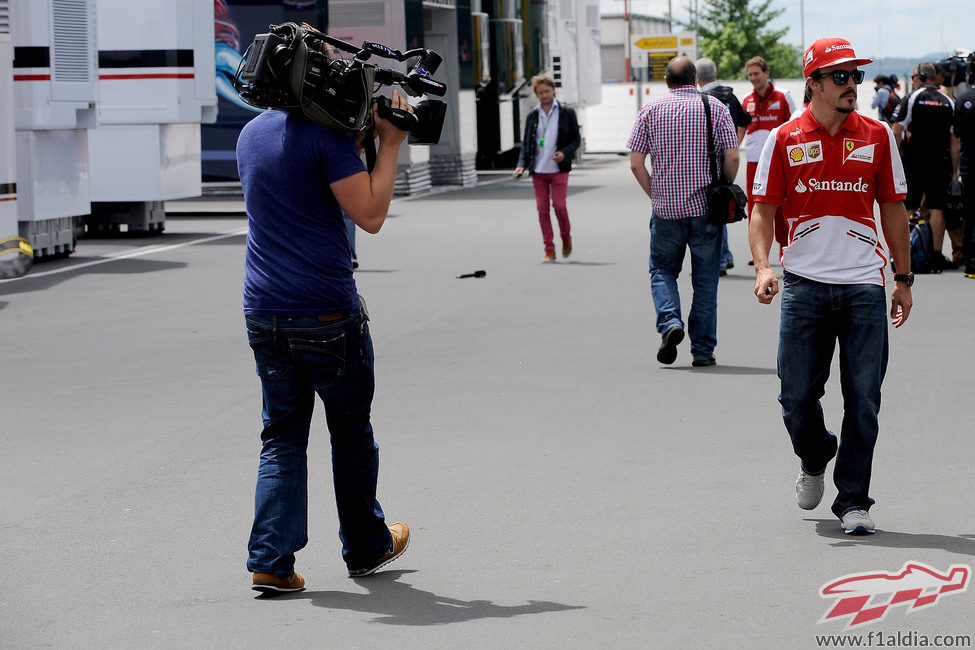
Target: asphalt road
{"points": [[563, 489]]}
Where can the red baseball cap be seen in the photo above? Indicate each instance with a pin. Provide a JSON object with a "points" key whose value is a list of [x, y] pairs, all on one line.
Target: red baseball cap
{"points": [[829, 51]]}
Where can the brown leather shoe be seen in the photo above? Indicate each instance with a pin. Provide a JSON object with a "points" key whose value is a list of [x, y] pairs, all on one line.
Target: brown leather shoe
{"points": [[566, 246], [268, 582], [401, 539], [549, 256]]}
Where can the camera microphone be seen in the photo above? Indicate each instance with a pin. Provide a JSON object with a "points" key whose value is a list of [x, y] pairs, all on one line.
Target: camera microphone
{"points": [[428, 63]]}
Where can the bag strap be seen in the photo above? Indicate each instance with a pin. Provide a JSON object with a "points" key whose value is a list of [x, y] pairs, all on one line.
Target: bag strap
{"points": [[712, 154]]}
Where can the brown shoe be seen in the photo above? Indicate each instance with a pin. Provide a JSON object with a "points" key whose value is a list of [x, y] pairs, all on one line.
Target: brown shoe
{"points": [[549, 256], [401, 539], [566, 246], [268, 582]]}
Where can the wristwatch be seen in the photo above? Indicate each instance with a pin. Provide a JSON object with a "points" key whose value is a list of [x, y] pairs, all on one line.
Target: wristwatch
{"points": [[907, 278]]}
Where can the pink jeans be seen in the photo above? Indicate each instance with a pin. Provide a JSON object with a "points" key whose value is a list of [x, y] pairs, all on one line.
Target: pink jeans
{"points": [[556, 186]]}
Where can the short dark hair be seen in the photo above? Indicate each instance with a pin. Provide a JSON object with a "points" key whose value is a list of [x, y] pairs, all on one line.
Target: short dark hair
{"points": [[882, 79], [680, 72], [759, 61]]}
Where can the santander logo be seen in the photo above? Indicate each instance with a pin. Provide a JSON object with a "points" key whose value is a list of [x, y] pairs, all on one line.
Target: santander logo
{"points": [[818, 185]]}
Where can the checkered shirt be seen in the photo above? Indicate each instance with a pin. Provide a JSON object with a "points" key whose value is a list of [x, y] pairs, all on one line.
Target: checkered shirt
{"points": [[671, 130]]}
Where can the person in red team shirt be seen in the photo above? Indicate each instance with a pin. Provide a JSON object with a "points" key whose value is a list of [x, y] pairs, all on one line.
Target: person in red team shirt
{"points": [[825, 169], [768, 109]]}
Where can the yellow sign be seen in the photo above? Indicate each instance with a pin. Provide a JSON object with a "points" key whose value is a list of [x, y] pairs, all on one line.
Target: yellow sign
{"points": [[657, 43], [687, 41], [657, 63]]}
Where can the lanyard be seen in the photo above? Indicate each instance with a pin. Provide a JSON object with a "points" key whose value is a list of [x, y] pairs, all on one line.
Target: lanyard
{"points": [[541, 114]]}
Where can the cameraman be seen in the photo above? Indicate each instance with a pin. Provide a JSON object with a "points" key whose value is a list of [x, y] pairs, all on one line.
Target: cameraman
{"points": [[886, 99], [309, 333]]}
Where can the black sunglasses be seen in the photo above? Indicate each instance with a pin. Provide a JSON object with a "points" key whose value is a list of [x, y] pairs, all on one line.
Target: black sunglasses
{"points": [[840, 77]]}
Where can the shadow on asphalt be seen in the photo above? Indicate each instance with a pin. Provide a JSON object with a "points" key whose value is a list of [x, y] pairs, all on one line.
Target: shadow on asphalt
{"points": [[724, 370], [123, 266], [961, 544], [397, 603]]}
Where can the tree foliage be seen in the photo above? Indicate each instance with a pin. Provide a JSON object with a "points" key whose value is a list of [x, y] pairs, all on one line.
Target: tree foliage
{"points": [[733, 31]]}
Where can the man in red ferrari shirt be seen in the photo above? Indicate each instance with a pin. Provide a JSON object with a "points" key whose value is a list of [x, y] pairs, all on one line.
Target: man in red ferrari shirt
{"points": [[768, 108], [826, 168]]}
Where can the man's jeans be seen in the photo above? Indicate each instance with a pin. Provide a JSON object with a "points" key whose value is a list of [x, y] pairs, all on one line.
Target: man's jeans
{"points": [[814, 317], [727, 259], [297, 358], [668, 240]]}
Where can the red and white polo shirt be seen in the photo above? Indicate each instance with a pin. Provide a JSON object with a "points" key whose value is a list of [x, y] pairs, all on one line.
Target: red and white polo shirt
{"points": [[767, 112], [827, 186]]}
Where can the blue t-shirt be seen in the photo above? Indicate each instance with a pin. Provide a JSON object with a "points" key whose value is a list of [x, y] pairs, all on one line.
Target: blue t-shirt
{"points": [[298, 260]]}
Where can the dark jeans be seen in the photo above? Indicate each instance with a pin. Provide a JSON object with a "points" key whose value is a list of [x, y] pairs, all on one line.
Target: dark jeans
{"points": [[814, 317], [297, 358], [669, 238], [727, 259]]}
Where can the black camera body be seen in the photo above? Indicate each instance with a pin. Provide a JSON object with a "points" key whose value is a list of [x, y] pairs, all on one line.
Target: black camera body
{"points": [[293, 67], [958, 69]]}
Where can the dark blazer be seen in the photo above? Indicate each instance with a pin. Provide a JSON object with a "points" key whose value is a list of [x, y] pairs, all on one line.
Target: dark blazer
{"points": [[567, 141], [727, 97]]}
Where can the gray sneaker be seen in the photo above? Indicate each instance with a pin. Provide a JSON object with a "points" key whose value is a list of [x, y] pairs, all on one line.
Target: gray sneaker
{"points": [[857, 522], [809, 489]]}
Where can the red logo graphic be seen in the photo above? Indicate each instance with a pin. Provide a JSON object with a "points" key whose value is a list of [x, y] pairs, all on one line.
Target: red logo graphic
{"points": [[916, 586]]}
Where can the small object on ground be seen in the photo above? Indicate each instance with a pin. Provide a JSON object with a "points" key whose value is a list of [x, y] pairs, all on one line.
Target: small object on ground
{"points": [[475, 274]]}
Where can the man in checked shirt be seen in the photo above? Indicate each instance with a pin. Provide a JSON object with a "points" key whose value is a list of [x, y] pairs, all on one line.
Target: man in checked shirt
{"points": [[672, 130]]}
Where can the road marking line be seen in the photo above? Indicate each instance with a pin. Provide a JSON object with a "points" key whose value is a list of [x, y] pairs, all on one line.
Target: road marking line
{"points": [[139, 252]]}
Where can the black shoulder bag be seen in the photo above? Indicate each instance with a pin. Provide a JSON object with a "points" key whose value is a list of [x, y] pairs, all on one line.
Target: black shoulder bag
{"points": [[726, 201]]}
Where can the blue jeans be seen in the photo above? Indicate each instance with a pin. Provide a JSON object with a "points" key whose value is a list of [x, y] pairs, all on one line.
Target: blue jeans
{"points": [[814, 317], [668, 239], [727, 259], [297, 358]]}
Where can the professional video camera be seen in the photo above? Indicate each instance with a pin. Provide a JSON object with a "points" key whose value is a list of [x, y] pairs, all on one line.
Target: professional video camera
{"points": [[958, 68], [299, 67]]}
